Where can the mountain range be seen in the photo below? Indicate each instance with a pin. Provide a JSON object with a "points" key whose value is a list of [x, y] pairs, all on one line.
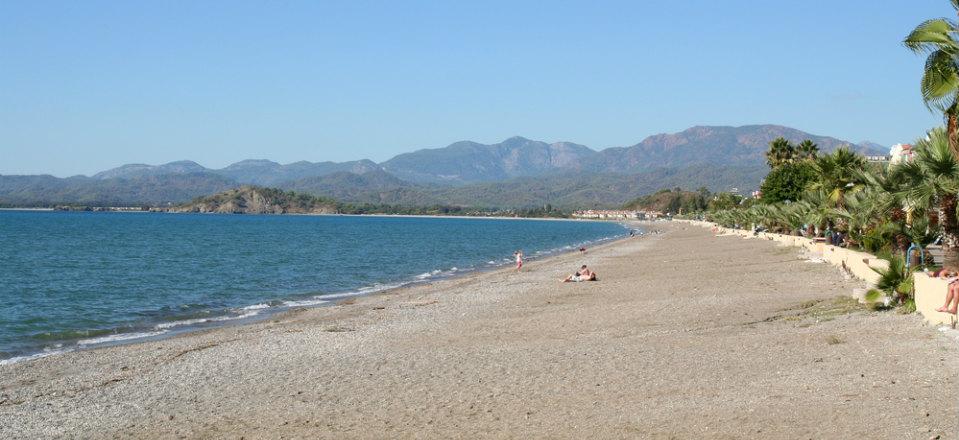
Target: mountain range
{"points": [[515, 173]]}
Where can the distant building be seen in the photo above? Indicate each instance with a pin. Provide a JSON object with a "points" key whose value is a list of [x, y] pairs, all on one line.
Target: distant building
{"points": [[878, 158], [606, 214], [900, 153]]}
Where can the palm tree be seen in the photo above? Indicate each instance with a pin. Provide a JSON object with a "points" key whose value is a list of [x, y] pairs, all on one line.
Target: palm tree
{"points": [[839, 173], [807, 150], [885, 203], [780, 152], [937, 38], [932, 184]]}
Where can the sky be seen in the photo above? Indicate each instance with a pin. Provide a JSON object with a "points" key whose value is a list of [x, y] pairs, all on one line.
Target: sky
{"points": [[87, 86]]}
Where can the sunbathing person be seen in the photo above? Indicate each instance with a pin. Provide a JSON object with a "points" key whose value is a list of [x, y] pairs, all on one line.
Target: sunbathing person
{"points": [[952, 291], [583, 274]]}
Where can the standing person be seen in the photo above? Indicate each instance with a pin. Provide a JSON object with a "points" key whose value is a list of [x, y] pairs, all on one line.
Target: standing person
{"points": [[519, 259]]}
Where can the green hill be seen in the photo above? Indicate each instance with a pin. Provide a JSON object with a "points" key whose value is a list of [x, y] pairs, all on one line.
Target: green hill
{"points": [[671, 201], [258, 200]]}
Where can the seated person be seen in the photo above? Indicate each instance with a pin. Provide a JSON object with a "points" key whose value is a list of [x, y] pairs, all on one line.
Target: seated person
{"points": [[952, 291], [583, 274]]}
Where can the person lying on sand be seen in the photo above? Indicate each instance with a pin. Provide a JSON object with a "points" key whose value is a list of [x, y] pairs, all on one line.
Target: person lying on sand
{"points": [[583, 274], [952, 291]]}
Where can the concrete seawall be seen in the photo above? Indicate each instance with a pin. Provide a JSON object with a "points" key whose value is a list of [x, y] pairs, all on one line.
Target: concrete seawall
{"points": [[930, 292]]}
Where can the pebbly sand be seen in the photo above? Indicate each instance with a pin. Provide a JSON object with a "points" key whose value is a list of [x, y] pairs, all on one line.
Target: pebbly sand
{"points": [[686, 335]]}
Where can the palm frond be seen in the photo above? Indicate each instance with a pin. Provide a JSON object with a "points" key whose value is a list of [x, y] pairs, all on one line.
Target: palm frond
{"points": [[931, 35]]}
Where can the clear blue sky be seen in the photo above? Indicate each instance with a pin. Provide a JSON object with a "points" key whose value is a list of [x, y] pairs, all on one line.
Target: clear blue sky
{"points": [[90, 85]]}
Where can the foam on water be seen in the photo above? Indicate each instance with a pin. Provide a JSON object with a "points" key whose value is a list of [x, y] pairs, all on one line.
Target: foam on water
{"points": [[118, 338], [31, 357], [305, 302], [248, 312], [430, 274], [257, 307]]}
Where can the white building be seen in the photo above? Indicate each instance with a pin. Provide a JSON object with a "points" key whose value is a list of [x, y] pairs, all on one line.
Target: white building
{"points": [[606, 214], [901, 153]]}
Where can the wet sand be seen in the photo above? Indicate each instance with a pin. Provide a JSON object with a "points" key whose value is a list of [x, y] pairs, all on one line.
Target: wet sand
{"points": [[686, 335]]}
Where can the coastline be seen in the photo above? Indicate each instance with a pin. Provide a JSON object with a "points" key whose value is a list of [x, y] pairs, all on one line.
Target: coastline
{"points": [[254, 313], [491, 217], [505, 354]]}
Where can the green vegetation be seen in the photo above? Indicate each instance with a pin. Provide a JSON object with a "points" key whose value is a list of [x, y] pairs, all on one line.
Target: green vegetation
{"points": [[885, 209], [544, 212], [939, 87], [672, 201], [786, 182], [260, 200], [895, 283], [782, 152]]}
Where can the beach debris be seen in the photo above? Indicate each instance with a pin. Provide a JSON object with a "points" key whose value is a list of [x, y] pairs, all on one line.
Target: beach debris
{"points": [[337, 329], [415, 304], [197, 348]]}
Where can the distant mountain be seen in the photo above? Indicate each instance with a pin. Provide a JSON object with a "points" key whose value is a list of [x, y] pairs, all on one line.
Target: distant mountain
{"points": [[576, 190], [258, 200], [873, 148], [599, 190], [162, 189], [517, 172], [256, 172], [471, 162], [269, 173], [141, 170], [744, 146], [375, 187]]}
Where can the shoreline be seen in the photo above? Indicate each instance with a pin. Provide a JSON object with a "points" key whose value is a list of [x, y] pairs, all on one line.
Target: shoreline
{"points": [[505, 354], [140, 211], [254, 313]]}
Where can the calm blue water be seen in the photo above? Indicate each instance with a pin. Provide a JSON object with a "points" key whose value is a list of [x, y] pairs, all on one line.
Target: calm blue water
{"points": [[73, 280]]}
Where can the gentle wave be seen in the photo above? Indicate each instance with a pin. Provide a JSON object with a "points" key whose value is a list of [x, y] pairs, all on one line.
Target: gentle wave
{"points": [[119, 337], [31, 357], [426, 275], [304, 302], [251, 311], [256, 307]]}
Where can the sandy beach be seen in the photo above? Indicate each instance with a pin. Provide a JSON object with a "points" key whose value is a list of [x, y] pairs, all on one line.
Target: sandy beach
{"points": [[686, 335]]}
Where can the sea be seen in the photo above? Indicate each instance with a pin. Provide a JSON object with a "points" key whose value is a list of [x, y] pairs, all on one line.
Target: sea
{"points": [[77, 280]]}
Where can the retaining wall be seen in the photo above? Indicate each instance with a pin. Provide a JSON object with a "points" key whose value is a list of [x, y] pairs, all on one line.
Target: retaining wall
{"points": [[930, 292]]}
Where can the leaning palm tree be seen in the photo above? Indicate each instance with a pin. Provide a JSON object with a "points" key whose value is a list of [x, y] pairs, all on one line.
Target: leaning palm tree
{"points": [[937, 38], [839, 173], [807, 150], [933, 184]]}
